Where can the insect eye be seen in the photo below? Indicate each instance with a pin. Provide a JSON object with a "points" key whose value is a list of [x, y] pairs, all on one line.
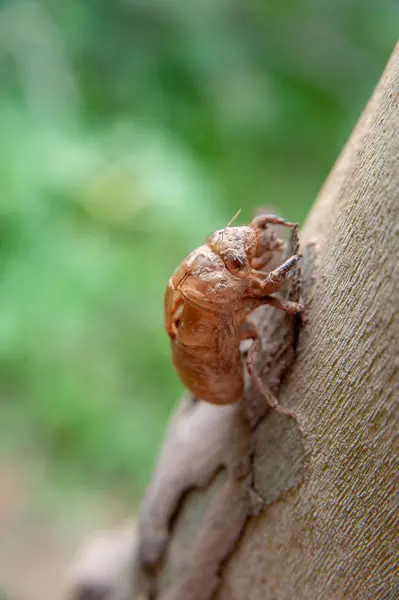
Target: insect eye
{"points": [[235, 262]]}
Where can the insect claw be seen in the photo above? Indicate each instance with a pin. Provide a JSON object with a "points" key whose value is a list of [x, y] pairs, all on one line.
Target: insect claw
{"points": [[287, 266]]}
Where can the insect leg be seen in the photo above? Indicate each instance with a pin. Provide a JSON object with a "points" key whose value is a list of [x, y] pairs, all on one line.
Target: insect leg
{"points": [[263, 284], [268, 251], [262, 220], [251, 362], [292, 308], [269, 245]]}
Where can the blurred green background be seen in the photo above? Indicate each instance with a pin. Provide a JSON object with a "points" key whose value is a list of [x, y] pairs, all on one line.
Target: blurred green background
{"points": [[130, 130]]}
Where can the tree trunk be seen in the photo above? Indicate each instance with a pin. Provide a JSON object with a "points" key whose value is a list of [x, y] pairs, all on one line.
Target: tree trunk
{"points": [[322, 490]]}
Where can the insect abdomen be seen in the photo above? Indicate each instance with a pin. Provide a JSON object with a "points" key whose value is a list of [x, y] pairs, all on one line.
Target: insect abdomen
{"points": [[215, 378]]}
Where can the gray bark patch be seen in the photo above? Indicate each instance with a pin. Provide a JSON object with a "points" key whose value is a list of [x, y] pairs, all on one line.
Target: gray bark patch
{"points": [[278, 457]]}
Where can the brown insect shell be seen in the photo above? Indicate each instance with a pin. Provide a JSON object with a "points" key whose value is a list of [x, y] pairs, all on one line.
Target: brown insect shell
{"points": [[206, 349]]}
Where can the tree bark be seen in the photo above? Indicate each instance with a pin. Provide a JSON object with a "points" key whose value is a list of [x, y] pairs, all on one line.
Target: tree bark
{"points": [[333, 533], [323, 491]]}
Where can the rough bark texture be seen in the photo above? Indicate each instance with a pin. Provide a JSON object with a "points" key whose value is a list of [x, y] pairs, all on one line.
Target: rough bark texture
{"points": [[323, 491]]}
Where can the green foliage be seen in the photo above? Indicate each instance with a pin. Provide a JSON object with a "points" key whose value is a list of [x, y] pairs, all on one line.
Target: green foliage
{"points": [[129, 131]]}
